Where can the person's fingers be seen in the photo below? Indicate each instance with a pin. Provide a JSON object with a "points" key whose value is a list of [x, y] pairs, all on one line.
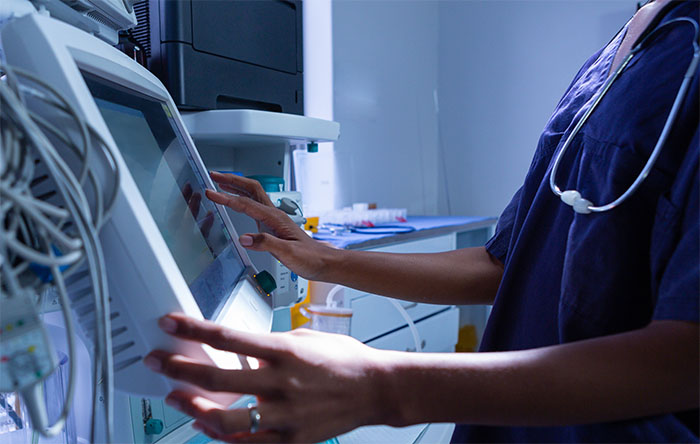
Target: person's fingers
{"points": [[231, 424], [245, 205], [239, 184], [267, 436], [212, 417], [262, 242], [191, 404], [266, 216], [235, 190], [265, 346], [200, 427], [209, 377]]}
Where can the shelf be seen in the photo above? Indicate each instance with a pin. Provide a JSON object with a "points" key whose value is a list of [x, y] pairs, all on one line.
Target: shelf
{"points": [[227, 126]]}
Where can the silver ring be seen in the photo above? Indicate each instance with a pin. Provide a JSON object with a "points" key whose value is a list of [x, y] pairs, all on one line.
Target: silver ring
{"points": [[254, 415]]}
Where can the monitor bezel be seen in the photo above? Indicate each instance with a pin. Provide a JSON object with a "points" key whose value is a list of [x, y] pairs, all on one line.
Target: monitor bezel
{"points": [[131, 82], [221, 304]]}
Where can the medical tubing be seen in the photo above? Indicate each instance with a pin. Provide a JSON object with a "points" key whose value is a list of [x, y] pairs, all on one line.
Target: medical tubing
{"points": [[71, 190], [105, 210], [411, 325], [331, 294], [655, 154], [57, 426], [56, 132], [112, 162], [10, 280], [47, 208], [67, 107], [102, 343], [670, 119], [32, 256], [37, 402], [579, 124], [29, 207]]}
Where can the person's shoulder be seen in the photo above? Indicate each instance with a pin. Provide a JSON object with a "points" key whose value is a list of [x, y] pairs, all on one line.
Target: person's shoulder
{"points": [[682, 8]]}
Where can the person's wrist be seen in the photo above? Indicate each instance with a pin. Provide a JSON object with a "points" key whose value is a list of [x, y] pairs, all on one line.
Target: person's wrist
{"points": [[384, 385], [329, 260]]}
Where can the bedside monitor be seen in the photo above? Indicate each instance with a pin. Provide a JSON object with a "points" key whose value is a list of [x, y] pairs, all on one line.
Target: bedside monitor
{"points": [[166, 247], [157, 157]]}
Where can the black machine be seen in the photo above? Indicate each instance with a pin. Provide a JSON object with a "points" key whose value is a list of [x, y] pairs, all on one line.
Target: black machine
{"points": [[225, 54]]}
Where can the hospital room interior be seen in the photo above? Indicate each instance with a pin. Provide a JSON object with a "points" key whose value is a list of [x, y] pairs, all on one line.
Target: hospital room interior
{"points": [[349, 221]]}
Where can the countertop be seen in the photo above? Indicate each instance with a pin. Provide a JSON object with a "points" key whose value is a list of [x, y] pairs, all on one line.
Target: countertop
{"points": [[422, 227]]}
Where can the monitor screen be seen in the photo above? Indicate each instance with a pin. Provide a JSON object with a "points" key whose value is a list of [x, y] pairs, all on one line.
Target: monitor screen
{"points": [[173, 188]]}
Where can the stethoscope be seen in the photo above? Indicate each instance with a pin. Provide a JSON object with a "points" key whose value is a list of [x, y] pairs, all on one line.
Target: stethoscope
{"points": [[572, 197]]}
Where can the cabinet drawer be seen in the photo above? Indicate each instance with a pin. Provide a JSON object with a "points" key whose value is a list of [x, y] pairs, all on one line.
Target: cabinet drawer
{"points": [[375, 315], [437, 333], [446, 242]]}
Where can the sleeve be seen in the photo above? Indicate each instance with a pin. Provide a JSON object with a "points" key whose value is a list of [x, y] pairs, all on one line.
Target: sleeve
{"points": [[678, 282], [498, 245]]}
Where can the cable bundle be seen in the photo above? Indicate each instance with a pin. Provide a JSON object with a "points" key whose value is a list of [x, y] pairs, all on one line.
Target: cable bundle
{"points": [[52, 206]]}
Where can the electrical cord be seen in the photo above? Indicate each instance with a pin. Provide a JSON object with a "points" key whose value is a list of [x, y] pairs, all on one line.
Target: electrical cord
{"points": [[32, 228]]}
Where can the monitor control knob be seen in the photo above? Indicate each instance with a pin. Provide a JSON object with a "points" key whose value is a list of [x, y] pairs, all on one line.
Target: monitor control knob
{"points": [[153, 427], [266, 281]]}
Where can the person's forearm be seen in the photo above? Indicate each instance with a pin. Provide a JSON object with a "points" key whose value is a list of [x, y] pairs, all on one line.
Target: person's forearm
{"points": [[465, 276], [640, 373]]}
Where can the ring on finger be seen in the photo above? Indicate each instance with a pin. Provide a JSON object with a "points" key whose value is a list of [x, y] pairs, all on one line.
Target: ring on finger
{"points": [[255, 417]]}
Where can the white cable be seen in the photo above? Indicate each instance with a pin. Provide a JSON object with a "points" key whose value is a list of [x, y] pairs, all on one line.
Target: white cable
{"points": [[59, 423], [85, 129], [64, 106], [32, 255], [411, 325], [29, 206], [15, 160]]}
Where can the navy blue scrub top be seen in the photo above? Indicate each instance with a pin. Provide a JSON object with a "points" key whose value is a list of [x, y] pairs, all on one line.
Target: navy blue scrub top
{"points": [[569, 276]]}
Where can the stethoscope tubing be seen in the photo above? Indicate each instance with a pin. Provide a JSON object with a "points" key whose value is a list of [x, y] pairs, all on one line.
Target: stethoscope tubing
{"points": [[668, 125]]}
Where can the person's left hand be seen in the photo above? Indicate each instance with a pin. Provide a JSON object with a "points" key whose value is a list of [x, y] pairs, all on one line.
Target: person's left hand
{"points": [[310, 386]]}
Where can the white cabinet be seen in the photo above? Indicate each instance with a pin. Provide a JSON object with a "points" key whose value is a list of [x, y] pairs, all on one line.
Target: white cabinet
{"points": [[437, 334], [376, 320]]}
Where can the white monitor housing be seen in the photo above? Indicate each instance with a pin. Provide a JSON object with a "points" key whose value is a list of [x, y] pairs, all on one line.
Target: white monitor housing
{"points": [[102, 18], [163, 251]]}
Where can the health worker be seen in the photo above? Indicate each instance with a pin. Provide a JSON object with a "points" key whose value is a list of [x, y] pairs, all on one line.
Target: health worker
{"points": [[593, 273]]}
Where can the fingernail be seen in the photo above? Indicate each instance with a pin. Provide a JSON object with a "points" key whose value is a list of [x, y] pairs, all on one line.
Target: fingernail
{"points": [[246, 241], [174, 403], [168, 325], [153, 363]]}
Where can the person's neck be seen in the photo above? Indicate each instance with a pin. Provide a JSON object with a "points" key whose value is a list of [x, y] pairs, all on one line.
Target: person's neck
{"points": [[637, 26]]}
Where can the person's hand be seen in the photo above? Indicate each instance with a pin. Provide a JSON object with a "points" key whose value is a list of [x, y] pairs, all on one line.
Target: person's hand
{"points": [[278, 235], [310, 386]]}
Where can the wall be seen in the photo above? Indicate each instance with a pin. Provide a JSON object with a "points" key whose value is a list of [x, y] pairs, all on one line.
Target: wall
{"points": [[316, 172], [503, 65], [385, 72], [499, 68]]}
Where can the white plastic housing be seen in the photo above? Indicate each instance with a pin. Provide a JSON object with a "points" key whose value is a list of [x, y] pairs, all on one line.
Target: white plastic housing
{"points": [[144, 280]]}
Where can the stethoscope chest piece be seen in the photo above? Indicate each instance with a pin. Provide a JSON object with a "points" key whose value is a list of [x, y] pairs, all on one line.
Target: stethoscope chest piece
{"points": [[573, 199]]}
